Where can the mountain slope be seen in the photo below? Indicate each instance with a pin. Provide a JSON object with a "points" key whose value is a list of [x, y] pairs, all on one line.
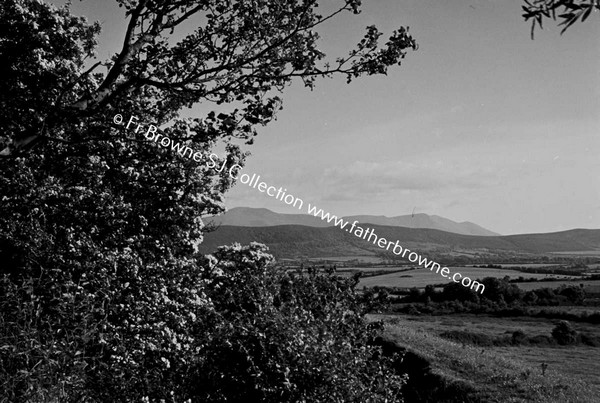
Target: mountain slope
{"points": [[292, 241], [425, 221], [261, 217]]}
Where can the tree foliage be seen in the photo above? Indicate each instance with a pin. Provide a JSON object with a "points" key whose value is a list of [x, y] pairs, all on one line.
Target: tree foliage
{"points": [[103, 294], [567, 12], [241, 52]]}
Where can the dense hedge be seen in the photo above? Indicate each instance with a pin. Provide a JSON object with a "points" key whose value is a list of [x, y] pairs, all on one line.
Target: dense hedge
{"points": [[229, 328]]}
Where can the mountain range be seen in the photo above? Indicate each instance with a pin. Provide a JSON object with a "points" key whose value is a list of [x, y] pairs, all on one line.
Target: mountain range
{"points": [[262, 217], [302, 235]]}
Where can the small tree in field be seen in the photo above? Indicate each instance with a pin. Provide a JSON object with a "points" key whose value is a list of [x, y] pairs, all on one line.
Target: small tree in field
{"points": [[564, 333]]}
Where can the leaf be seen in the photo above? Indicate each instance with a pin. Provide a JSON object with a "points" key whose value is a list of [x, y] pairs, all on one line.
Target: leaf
{"points": [[571, 22], [572, 6], [567, 15], [587, 12]]}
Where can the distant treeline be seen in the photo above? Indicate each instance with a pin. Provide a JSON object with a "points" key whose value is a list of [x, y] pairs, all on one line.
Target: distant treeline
{"points": [[500, 291]]}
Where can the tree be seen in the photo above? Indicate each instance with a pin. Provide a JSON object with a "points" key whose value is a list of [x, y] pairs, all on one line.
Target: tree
{"points": [[568, 11], [102, 288], [530, 298], [518, 337], [574, 294], [501, 290], [458, 292], [241, 53]]}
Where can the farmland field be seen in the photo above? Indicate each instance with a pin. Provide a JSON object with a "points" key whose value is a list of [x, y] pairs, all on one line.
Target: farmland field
{"points": [[588, 285], [422, 277], [579, 361], [528, 265], [494, 326], [502, 374]]}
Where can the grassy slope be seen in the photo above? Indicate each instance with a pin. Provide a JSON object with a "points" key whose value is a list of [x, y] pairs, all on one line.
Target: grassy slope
{"points": [[487, 375]]}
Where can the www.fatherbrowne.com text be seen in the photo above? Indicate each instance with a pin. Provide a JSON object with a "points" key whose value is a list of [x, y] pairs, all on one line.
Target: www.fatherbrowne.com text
{"points": [[151, 133]]}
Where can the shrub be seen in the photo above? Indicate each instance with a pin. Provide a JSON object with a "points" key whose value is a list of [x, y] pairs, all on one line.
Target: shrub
{"points": [[412, 310], [564, 333], [518, 337]]}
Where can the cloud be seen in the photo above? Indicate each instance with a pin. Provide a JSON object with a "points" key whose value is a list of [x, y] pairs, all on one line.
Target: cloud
{"points": [[365, 179]]}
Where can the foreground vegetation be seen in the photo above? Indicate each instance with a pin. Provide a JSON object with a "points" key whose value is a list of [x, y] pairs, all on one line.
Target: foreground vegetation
{"points": [[232, 329]]}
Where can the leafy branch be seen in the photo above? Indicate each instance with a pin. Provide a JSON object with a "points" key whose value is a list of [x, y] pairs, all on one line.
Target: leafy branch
{"points": [[567, 11]]}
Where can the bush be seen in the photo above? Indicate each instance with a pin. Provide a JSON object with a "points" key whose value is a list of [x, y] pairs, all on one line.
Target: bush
{"points": [[412, 310], [564, 333], [518, 337]]}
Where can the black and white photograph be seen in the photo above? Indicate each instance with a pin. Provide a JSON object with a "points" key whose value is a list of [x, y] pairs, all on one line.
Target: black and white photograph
{"points": [[299, 201]]}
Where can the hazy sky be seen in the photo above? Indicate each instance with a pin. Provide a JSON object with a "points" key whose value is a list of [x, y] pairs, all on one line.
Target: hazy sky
{"points": [[481, 124]]}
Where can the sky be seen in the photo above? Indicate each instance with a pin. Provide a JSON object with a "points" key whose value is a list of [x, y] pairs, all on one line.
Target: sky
{"points": [[480, 124]]}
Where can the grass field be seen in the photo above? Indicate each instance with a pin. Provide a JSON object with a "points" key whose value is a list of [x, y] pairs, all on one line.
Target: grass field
{"points": [[494, 326], [494, 374], [581, 362]]}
